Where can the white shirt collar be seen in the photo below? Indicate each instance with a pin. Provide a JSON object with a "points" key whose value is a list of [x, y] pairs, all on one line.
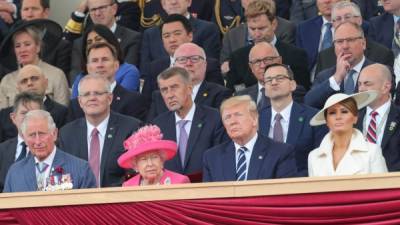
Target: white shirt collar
{"points": [[285, 113], [274, 40], [188, 117], [50, 158], [195, 90], [102, 127], [113, 85], [359, 65], [381, 109], [249, 145], [171, 61], [113, 28]]}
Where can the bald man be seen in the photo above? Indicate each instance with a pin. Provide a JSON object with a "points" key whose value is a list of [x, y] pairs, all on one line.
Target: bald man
{"points": [[380, 120], [31, 79]]}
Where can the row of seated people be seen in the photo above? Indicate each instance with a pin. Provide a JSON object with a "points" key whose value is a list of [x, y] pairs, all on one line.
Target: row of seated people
{"points": [[239, 143], [205, 34]]}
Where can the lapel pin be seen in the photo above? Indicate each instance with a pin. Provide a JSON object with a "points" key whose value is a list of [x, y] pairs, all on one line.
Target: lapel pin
{"points": [[301, 119], [205, 94], [118, 98], [260, 157], [392, 126], [119, 39], [109, 136], [199, 125], [111, 128]]}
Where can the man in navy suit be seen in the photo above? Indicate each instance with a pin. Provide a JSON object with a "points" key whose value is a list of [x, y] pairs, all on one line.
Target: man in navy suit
{"points": [[249, 155], [382, 28], [12, 150], [103, 60], [387, 119], [193, 58], [46, 161], [205, 34], [349, 45], [310, 33], [98, 137], [293, 126], [194, 127], [349, 11]]}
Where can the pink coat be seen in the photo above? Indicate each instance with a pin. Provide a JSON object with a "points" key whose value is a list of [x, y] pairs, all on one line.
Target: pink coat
{"points": [[169, 177]]}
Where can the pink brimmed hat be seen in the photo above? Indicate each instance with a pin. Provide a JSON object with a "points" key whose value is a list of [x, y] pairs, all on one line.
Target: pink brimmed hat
{"points": [[146, 139]]}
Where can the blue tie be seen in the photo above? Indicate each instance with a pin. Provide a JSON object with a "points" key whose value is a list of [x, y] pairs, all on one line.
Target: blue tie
{"points": [[22, 155], [349, 84], [241, 167], [327, 39]]}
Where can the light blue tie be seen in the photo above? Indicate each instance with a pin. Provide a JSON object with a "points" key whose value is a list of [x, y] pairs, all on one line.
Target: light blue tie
{"points": [[183, 139], [327, 40], [349, 84], [41, 167], [241, 167]]}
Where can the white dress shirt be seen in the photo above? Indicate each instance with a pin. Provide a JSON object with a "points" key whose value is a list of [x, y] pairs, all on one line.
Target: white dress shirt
{"points": [[102, 128], [380, 125], [336, 86], [285, 113], [188, 125], [250, 146]]}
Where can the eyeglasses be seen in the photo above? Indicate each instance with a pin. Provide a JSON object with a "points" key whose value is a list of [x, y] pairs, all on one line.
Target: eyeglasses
{"points": [[100, 8], [193, 59], [279, 78], [32, 78], [346, 17], [349, 40], [265, 61], [94, 94]]}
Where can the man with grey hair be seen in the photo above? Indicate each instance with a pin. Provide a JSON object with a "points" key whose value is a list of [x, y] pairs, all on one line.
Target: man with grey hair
{"points": [[380, 120], [249, 155], [193, 126], [48, 167], [346, 11], [99, 135], [193, 58]]}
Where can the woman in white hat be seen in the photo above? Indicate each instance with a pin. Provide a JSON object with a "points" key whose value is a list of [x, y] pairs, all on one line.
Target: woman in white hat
{"points": [[344, 150]]}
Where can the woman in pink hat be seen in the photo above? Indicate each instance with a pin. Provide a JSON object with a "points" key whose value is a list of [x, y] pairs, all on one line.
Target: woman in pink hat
{"points": [[146, 153]]}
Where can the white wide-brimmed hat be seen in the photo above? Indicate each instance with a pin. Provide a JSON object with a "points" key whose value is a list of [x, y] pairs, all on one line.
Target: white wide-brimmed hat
{"points": [[362, 99]]}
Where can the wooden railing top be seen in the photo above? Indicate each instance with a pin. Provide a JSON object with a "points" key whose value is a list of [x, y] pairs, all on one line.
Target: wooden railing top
{"points": [[200, 191]]}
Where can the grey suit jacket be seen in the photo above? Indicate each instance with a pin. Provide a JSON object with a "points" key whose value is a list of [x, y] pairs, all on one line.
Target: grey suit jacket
{"points": [[130, 45], [22, 175], [237, 37]]}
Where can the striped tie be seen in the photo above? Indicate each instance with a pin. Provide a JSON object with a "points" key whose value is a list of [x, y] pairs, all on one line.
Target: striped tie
{"points": [[241, 165], [371, 134]]}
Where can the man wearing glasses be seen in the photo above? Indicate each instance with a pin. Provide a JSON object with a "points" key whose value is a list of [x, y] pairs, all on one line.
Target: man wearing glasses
{"points": [[98, 136], [349, 45], [192, 58], [349, 11], [288, 121], [101, 12]]}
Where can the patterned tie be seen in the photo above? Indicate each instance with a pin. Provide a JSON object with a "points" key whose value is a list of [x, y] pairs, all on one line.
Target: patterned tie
{"points": [[183, 139], [22, 155], [349, 84], [396, 39], [261, 99], [241, 165], [94, 155], [41, 167], [278, 130], [371, 133], [327, 39]]}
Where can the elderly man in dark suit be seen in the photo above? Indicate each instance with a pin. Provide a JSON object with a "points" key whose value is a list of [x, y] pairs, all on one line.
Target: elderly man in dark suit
{"points": [[193, 58], [194, 127], [288, 121], [14, 149], [349, 44], [240, 36], [380, 120], [349, 11], [31, 79], [262, 24], [205, 34], [103, 60], [249, 155], [103, 12], [98, 137], [47, 163]]}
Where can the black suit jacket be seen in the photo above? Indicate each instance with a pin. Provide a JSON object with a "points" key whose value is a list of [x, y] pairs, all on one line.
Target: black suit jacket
{"points": [[381, 29], [8, 130], [375, 52], [391, 137], [240, 72], [206, 131], [125, 102], [213, 74], [209, 94], [73, 139], [7, 158], [321, 89]]}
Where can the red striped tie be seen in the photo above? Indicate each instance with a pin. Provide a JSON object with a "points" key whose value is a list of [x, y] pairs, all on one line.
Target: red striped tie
{"points": [[371, 134]]}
